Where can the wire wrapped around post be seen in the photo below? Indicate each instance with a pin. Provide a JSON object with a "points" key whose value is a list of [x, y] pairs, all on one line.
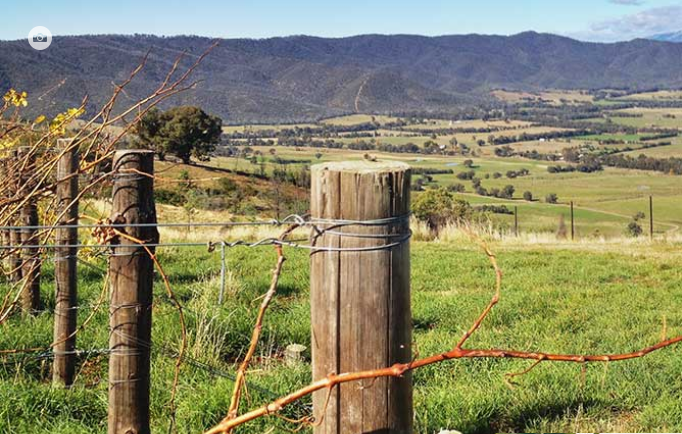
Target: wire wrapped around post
{"points": [[131, 270], [360, 294]]}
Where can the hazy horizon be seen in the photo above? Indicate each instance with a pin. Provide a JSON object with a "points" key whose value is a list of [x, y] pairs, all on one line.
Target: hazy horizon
{"points": [[265, 38], [594, 21]]}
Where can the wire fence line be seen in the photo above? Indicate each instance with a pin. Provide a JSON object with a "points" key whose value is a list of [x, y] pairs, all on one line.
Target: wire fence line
{"points": [[41, 354], [318, 227]]}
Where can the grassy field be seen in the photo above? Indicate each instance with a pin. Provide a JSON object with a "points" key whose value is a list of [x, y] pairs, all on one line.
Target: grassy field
{"points": [[674, 150], [358, 119], [436, 124], [568, 298], [605, 201], [557, 97], [254, 129], [659, 118], [658, 95]]}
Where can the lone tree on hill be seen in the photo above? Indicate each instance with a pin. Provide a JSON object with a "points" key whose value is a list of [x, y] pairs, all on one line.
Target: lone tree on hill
{"points": [[438, 207], [184, 131], [634, 228], [552, 198]]}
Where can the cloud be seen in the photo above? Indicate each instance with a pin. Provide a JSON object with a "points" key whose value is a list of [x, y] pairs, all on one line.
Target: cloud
{"points": [[627, 2], [641, 24]]}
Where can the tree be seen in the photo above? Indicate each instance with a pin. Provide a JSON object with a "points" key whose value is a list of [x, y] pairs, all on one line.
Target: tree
{"points": [[634, 228], [508, 192], [147, 131], [438, 207], [456, 188], [551, 198], [468, 163], [184, 131], [527, 195], [571, 155]]}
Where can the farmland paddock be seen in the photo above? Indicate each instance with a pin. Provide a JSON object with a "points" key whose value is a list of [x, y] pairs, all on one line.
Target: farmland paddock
{"points": [[361, 322]]}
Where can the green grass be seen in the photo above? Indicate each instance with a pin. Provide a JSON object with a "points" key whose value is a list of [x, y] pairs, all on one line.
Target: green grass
{"points": [[561, 300], [623, 137], [357, 119], [605, 200]]}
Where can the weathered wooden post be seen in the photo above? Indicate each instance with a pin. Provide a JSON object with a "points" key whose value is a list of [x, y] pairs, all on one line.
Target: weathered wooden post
{"points": [[516, 221], [360, 294], [65, 314], [28, 216], [131, 272]]}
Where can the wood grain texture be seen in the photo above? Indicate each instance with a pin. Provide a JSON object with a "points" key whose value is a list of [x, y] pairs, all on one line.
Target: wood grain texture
{"points": [[360, 301], [65, 268], [131, 272]]}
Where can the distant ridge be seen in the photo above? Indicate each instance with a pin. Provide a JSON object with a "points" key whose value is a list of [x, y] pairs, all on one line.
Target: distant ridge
{"points": [[668, 37], [302, 77]]}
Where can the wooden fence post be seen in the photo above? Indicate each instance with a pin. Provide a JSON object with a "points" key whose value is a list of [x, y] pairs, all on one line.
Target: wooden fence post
{"points": [[65, 313], [516, 221], [360, 300], [131, 272], [28, 215]]}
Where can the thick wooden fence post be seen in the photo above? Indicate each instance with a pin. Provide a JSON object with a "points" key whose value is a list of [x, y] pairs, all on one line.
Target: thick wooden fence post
{"points": [[360, 300], [65, 314], [131, 272], [28, 215]]}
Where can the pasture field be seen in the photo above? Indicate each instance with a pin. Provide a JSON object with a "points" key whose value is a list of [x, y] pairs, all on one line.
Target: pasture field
{"points": [[565, 298], [553, 146], [656, 118], [254, 129], [674, 150], [605, 201], [358, 119], [436, 124], [658, 95], [556, 97], [627, 138]]}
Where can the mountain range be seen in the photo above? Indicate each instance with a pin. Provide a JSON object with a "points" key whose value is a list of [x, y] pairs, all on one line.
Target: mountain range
{"points": [[668, 37], [302, 77]]}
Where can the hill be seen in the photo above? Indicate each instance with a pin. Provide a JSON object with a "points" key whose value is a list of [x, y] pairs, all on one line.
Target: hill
{"points": [[669, 37], [301, 77]]}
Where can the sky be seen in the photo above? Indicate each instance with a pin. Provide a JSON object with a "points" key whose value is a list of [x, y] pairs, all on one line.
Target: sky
{"points": [[592, 20]]}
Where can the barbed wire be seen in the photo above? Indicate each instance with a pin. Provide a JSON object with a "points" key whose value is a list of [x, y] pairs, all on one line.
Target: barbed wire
{"points": [[295, 219]]}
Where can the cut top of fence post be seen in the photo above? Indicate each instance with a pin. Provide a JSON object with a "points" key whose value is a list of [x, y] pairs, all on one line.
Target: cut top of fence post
{"points": [[362, 166], [343, 180]]}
